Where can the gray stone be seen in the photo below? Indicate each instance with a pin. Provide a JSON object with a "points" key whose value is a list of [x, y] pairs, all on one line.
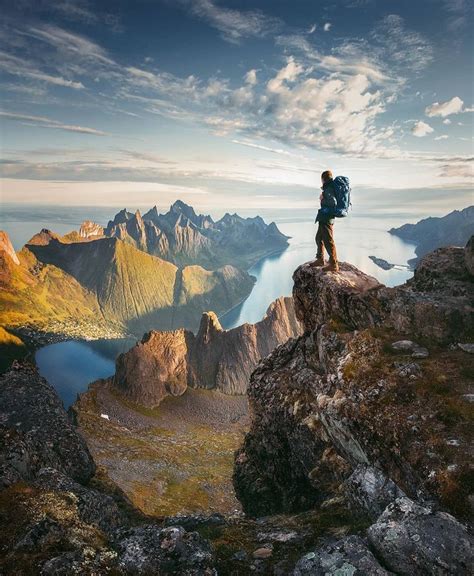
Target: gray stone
{"points": [[413, 540], [420, 352], [347, 557], [153, 550], [404, 345], [370, 491], [93, 507], [466, 347]]}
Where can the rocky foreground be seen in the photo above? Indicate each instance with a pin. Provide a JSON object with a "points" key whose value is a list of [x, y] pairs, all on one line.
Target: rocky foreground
{"points": [[372, 406], [357, 461]]}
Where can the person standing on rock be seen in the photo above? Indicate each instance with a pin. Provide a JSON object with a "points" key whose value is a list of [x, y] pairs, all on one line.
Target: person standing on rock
{"points": [[335, 201], [325, 219]]}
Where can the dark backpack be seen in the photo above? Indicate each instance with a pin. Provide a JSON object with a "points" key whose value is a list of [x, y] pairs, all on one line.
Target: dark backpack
{"points": [[342, 191]]}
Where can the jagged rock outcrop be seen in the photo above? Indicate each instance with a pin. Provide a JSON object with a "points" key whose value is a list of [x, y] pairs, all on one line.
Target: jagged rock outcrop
{"points": [[437, 303], [183, 237], [51, 521], [90, 230], [36, 431], [340, 412], [7, 247], [167, 362]]}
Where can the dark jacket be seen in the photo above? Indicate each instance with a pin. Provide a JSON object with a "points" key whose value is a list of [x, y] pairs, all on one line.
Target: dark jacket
{"points": [[328, 203]]}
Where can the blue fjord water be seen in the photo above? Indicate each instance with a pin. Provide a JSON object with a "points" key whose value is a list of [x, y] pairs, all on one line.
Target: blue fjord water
{"points": [[71, 366]]}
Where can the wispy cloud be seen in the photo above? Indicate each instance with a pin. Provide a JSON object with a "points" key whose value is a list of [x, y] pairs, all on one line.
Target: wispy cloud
{"points": [[233, 24], [19, 67], [43, 122], [402, 47]]}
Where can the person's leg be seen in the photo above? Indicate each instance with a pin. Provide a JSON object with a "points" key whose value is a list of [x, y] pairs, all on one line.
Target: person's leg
{"points": [[319, 247], [330, 245]]}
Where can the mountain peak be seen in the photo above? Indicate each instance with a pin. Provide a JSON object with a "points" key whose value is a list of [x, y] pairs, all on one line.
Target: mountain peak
{"points": [[181, 207], [43, 238], [7, 247], [209, 324]]}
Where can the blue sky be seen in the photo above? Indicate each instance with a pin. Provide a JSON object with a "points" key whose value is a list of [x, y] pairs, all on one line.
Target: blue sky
{"points": [[230, 104]]}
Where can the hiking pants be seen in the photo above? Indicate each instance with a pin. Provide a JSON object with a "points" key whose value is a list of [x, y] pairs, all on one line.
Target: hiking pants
{"points": [[325, 239]]}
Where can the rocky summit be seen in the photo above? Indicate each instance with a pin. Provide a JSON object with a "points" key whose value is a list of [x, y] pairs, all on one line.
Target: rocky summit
{"points": [[343, 413], [166, 363]]}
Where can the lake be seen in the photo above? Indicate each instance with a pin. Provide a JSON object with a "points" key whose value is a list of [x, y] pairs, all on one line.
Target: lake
{"points": [[71, 366]]}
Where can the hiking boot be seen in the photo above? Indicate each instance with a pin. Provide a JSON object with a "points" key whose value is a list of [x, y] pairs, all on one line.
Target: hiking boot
{"points": [[318, 262], [331, 267]]}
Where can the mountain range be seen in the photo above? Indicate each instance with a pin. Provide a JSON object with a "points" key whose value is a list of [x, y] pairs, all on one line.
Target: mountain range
{"points": [[109, 281], [183, 237], [454, 229], [159, 271]]}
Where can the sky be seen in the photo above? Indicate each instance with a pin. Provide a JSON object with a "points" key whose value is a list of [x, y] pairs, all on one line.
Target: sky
{"points": [[231, 104]]}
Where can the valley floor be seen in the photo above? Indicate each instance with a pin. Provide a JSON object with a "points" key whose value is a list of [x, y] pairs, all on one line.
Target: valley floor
{"points": [[175, 459]]}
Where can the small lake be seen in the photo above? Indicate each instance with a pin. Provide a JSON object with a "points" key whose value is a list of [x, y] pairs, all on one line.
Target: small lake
{"points": [[71, 366]]}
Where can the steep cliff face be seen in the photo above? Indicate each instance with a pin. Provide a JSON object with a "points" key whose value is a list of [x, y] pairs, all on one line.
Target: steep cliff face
{"points": [[167, 362], [374, 396]]}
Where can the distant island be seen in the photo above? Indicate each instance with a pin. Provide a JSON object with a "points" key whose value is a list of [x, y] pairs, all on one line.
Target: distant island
{"points": [[454, 229], [136, 274]]}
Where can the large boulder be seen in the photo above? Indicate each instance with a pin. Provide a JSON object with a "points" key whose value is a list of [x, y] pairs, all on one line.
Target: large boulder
{"points": [[349, 556], [36, 431], [151, 550], [93, 507], [413, 540], [370, 491], [348, 297]]}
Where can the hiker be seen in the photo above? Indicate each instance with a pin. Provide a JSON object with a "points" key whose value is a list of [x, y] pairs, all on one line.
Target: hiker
{"points": [[335, 202]]}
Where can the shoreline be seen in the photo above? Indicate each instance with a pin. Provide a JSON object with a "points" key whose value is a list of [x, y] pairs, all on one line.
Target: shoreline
{"points": [[273, 253]]}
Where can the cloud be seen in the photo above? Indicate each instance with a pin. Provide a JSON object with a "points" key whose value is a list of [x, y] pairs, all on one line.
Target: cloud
{"points": [[327, 26], [251, 77], [421, 129], [446, 121], [443, 109], [68, 42], [457, 14], [44, 122], [442, 137], [263, 147], [233, 24], [457, 171], [402, 47], [312, 29], [18, 67]]}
